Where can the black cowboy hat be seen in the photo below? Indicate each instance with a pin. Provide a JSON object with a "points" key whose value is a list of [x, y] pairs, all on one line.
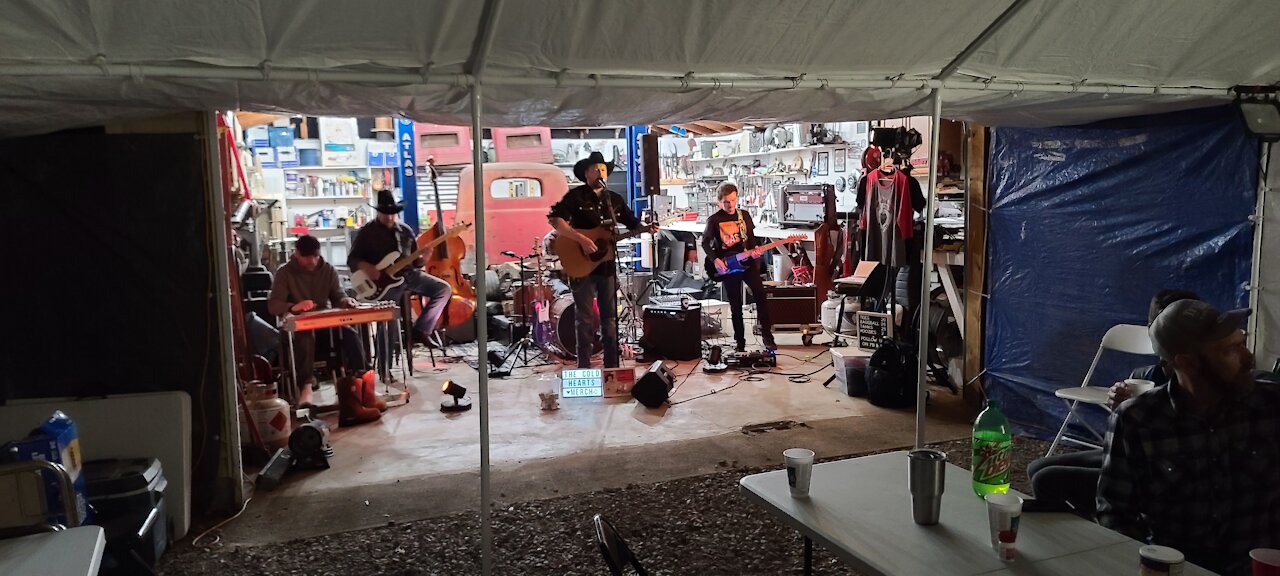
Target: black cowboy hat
{"points": [[580, 168], [387, 203]]}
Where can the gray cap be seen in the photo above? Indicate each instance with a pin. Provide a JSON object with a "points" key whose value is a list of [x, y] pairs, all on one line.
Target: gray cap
{"points": [[1186, 325]]}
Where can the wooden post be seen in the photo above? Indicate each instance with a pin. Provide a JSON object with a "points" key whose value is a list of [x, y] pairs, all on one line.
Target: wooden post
{"points": [[975, 261]]}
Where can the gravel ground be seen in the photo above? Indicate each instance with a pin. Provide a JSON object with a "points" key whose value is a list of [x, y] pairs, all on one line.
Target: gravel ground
{"points": [[699, 525]]}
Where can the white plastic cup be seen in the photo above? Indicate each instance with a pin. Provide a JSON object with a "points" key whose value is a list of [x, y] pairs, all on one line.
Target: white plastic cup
{"points": [[799, 470], [1139, 385], [1004, 511], [1159, 561]]}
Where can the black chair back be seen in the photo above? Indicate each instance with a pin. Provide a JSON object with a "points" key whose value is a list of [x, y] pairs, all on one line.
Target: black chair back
{"points": [[617, 555]]}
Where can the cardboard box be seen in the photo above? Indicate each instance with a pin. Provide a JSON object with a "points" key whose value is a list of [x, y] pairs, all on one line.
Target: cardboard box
{"points": [[265, 157], [64, 449], [382, 154], [258, 137], [287, 157]]}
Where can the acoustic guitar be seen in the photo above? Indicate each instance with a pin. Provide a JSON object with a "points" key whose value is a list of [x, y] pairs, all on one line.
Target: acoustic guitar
{"points": [[370, 290], [737, 262], [575, 261]]}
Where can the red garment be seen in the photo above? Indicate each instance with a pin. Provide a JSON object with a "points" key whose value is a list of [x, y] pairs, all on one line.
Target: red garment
{"points": [[902, 189]]}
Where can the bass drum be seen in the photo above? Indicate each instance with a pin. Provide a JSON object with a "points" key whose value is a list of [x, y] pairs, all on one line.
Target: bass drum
{"points": [[559, 332]]}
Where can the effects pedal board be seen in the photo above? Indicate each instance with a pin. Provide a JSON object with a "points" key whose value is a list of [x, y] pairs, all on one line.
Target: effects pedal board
{"points": [[751, 359]]}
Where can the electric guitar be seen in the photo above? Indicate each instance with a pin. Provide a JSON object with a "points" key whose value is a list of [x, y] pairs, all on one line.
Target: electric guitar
{"points": [[737, 262], [370, 290]]}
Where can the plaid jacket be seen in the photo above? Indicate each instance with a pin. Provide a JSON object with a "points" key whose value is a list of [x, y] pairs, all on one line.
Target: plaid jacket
{"points": [[1211, 489]]}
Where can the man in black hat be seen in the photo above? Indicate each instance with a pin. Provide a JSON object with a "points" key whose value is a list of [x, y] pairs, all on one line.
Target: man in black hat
{"points": [[387, 234], [305, 283], [1195, 464], [585, 207]]}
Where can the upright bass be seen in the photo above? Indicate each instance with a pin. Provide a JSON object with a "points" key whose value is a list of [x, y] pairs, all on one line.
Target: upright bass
{"points": [[445, 262]]}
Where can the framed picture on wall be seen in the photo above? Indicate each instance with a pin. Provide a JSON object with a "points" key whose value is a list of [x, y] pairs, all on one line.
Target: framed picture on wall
{"points": [[823, 159], [841, 158]]}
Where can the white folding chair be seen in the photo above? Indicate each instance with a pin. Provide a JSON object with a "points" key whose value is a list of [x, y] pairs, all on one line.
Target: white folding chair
{"points": [[1129, 338]]}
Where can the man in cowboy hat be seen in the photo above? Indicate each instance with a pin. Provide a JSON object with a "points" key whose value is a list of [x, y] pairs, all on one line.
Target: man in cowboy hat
{"points": [[388, 234], [589, 206]]}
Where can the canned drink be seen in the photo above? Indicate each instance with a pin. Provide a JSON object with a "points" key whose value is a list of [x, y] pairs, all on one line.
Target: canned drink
{"points": [[1159, 561]]}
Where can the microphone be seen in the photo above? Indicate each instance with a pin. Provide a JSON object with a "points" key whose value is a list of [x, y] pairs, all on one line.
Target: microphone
{"points": [[603, 184], [508, 253]]}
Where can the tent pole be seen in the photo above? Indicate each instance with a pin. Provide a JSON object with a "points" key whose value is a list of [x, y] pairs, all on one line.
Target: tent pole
{"points": [[417, 78], [1255, 269], [482, 335], [982, 38], [922, 350], [475, 70]]}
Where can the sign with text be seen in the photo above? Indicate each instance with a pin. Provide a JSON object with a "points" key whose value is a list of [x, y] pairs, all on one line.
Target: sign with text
{"points": [[406, 172], [581, 383], [873, 329]]}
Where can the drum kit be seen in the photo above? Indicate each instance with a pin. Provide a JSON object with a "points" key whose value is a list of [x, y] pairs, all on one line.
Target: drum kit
{"points": [[546, 305]]}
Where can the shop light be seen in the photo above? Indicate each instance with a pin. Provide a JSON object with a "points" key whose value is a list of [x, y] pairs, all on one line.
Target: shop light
{"points": [[1261, 117]]}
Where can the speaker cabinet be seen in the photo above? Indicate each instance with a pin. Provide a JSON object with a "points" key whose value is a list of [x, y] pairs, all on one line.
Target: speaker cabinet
{"points": [[652, 182], [791, 304], [653, 388], [673, 332]]}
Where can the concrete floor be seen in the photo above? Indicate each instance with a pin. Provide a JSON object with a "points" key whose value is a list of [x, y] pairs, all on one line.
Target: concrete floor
{"points": [[418, 462]]}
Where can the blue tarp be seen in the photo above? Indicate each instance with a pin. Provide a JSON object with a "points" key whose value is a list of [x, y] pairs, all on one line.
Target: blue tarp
{"points": [[1086, 224]]}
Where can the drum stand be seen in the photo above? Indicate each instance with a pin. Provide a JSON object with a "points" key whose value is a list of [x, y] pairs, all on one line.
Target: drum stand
{"points": [[521, 348]]}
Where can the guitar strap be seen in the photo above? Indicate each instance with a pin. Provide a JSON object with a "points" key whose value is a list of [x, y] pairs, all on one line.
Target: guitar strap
{"points": [[742, 231]]}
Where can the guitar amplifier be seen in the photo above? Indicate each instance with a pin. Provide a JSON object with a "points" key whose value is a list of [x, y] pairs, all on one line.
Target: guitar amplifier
{"points": [[791, 304], [674, 333], [807, 205]]}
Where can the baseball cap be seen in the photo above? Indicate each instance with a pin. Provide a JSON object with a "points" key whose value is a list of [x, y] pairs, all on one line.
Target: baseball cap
{"points": [[307, 245], [1186, 325]]}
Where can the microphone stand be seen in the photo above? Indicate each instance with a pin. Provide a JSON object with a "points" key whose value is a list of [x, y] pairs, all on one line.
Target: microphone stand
{"points": [[613, 229], [521, 347]]}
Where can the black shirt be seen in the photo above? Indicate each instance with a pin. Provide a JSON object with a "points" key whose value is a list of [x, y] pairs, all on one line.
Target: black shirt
{"points": [[583, 208], [723, 237], [374, 241]]}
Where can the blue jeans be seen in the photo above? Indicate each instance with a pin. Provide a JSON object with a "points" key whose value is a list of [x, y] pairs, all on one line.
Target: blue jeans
{"points": [[423, 284], [418, 283], [587, 294]]}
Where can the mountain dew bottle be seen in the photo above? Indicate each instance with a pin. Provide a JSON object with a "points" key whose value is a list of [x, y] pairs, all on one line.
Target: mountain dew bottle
{"points": [[992, 451]]}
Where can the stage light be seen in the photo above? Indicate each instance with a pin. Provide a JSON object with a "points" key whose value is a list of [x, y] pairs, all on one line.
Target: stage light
{"points": [[455, 397]]}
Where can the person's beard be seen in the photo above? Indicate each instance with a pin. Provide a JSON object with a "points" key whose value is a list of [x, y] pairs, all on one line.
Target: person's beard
{"points": [[1227, 385]]}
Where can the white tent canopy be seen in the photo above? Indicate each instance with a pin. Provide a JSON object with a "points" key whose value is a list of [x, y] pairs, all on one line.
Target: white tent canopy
{"points": [[67, 63]]}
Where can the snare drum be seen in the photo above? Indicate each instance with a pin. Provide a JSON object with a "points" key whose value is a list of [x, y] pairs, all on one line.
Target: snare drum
{"points": [[560, 331]]}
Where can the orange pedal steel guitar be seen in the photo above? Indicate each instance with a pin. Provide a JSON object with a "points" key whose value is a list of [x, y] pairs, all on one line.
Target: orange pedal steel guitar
{"points": [[335, 317]]}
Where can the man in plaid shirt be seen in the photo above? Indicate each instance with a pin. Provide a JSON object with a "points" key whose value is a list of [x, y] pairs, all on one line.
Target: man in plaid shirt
{"points": [[1195, 464]]}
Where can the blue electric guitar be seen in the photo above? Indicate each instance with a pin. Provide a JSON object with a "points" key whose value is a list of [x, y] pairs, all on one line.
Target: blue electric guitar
{"points": [[738, 262]]}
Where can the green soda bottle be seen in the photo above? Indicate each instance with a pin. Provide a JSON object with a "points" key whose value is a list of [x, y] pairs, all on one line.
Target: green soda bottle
{"points": [[992, 451]]}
